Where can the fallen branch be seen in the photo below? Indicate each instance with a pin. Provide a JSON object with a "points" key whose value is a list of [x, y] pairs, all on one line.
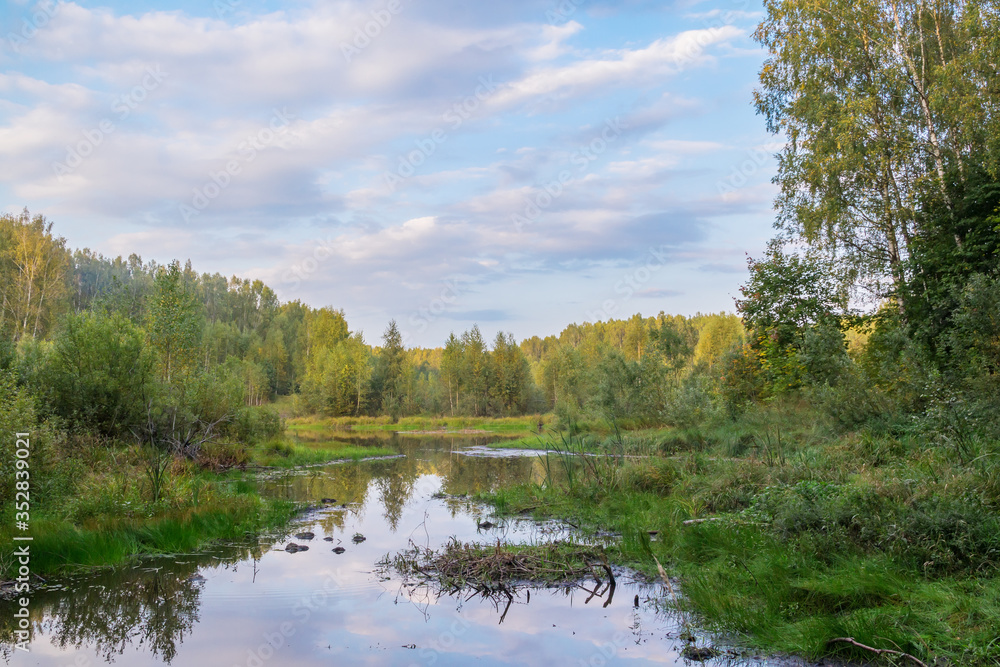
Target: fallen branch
{"points": [[691, 522], [877, 651]]}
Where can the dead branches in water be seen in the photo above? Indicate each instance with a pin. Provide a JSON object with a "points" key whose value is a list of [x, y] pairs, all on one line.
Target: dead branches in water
{"points": [[497, 570]]}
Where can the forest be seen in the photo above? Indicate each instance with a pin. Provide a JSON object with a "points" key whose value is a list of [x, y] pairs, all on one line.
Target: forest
{"points": [[106, 344]]}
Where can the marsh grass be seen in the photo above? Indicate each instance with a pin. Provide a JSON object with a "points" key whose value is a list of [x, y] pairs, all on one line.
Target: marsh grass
{"points": [[61, 545], [284, 454], [524, 424], [802, 533]]}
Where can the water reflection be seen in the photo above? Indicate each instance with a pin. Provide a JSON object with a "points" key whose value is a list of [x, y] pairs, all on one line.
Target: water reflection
{"points": [[258, 604], [151, 608]]}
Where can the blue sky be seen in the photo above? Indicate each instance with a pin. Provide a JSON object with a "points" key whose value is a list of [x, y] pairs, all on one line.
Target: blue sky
{"points": [[522, 165]]}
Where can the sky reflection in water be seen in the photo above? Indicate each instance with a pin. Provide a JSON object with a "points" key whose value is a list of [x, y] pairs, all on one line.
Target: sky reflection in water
{"points": [[259, 605]]}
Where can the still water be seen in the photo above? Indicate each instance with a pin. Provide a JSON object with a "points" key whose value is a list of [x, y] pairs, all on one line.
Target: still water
{"points": [[250, 605]]}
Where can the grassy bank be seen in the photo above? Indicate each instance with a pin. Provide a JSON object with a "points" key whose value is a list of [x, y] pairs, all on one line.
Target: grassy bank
{"points": [[525, 424], [285, 454], [104, 503], [797, 534], [61, 545]]}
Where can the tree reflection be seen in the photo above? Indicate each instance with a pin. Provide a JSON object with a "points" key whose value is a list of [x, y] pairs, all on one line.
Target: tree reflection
{"points": [[133, 608]]}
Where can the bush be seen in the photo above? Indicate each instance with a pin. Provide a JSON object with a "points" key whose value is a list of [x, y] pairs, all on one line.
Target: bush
{"points": [[99, 371], [742, 379], [853, 401], [252, 424], [691, 402]]}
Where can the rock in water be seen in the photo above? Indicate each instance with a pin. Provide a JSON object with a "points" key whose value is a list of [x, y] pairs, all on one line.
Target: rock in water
{"points": [[306, 535], [329, 500], [698, 654], [292, 547], [339, 550], [328, 539], [358, 538]]}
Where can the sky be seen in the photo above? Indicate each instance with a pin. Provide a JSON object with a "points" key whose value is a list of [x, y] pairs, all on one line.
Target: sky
{"points": [[519, 165]]}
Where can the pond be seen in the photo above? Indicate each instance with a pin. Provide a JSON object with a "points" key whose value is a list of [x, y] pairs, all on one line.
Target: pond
{"points": [[249, 605]]}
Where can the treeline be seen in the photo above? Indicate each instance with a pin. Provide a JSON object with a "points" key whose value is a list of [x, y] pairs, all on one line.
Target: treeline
{"points": [[96, 338], [879, 297]]}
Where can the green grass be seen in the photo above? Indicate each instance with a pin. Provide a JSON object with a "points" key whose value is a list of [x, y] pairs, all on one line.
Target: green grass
{"points": [[61, 545], [815, 534], [282, 454], [491, 424]]}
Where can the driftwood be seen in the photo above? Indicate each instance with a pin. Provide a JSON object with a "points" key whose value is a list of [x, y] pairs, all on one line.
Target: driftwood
{"points": [[691, 522], [876, 651]]}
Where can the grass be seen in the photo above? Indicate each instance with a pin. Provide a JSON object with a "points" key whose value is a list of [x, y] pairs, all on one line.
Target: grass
{"points": [[527, 423], [283, 454], [811, 534], [59, 545], [102, 506]]}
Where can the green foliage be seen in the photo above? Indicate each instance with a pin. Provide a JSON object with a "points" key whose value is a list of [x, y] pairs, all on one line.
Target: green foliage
{"points": [[717, 337], [17, 415], [975, 336], [388, 376], [175, 322], [632, 392], [956, 252], [99, 373]]}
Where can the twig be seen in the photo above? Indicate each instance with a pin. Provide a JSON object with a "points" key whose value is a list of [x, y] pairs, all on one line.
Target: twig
{"points": [[877, 651], [691, 522]]}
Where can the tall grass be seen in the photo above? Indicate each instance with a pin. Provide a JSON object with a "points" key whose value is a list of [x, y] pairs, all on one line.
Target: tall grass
{"points": [[803, 533]]}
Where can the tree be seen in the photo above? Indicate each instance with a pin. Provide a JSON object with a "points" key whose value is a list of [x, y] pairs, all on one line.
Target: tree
{"points": [[883, 105], [792, 301], [475, 370], [175, 322], [100, 372], [390, 366], [563, 379], [451, 369], [719, 334], [510, 375], [788, 292], [358, 369], [34, 275], [942, 268]]}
